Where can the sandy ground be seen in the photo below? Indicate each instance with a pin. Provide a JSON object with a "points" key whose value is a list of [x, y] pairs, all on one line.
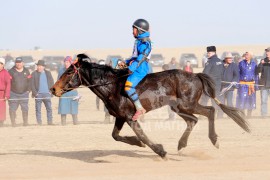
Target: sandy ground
{"points": [[87, 151]]}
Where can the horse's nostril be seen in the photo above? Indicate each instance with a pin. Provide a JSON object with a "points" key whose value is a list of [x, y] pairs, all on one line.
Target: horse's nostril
{"points": [[52, 90]]}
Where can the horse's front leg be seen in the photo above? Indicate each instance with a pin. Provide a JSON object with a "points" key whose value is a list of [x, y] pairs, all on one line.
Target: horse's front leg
{"points": [[157, 148], [132, 140], [184, 139]]}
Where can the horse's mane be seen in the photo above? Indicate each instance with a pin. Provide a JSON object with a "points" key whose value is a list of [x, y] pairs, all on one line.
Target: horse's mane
{"points": [[98, 70]]}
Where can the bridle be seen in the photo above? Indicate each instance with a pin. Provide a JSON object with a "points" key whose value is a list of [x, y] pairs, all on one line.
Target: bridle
{"points": [[77, 72]]}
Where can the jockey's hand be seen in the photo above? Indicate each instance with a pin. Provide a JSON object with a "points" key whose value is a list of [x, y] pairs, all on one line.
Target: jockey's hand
{"points": [[262, 61], [122, 65]]}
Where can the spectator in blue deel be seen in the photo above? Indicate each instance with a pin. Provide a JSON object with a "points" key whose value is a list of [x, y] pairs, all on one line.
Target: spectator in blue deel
{"points": [[248, 78], [68, 103], [41, 82], [138, 64]]}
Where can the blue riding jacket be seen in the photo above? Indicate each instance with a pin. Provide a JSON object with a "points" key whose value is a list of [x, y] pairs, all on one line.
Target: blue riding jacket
{"points": [[138, 64]]}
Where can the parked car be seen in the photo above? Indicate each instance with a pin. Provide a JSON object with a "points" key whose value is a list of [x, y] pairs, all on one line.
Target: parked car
{"points": [[236, 56], [156, 60], [204, 59], [258, 59], [9, 62], [29, 62], [53, 62], [188, 57]]}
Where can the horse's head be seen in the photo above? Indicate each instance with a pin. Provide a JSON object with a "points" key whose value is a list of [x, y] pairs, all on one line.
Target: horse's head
{"points": [[71, 78]]}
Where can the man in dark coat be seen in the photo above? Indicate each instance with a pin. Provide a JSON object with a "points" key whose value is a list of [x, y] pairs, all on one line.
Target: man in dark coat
{"points": [[230, 79], [264, 69], [214, 68], [41, 83]]}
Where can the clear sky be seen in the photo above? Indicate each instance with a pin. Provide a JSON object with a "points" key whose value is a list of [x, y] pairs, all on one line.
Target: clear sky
{"points": [[88, 24]]}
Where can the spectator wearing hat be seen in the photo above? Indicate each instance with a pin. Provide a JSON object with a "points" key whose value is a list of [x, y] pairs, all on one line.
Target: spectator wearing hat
{"points": [[68, 103], [248, 77], [264, 69], [19, 94], [214, 68], [4, 90], [230, 78], [41, 82]]}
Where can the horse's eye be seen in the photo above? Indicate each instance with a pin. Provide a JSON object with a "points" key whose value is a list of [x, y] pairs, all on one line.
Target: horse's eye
{"points": [[69, 73]]}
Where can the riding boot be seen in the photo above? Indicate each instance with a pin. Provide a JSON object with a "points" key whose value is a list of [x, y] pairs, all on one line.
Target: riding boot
{"points": [[63, 119], [12, 115], [139, 110], [75, 119], [25, 118]]}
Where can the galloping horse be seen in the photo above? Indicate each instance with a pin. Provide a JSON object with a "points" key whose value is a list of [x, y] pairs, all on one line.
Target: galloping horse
{"points": [[176, 88]]}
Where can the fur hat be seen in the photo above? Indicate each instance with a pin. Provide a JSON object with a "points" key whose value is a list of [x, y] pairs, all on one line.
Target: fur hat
{"points": [[211, 49]]}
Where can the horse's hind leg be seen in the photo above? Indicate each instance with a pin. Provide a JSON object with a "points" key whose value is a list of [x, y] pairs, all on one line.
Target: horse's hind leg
{"points": [[209, 112], [157, 148], [132, 140], [191, 121]]}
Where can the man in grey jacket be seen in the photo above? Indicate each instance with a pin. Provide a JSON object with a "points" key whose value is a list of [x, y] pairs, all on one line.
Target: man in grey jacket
{"points": [[20, 88]]}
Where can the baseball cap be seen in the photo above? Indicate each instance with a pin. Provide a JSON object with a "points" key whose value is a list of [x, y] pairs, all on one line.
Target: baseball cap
{"points": [[18, 60]]}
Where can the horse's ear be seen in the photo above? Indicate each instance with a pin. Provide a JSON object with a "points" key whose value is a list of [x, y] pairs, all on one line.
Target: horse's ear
{"points": [[83, 57]]}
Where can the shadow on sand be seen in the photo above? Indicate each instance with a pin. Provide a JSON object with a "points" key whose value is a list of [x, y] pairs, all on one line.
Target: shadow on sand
{"points": [[92, 156]]}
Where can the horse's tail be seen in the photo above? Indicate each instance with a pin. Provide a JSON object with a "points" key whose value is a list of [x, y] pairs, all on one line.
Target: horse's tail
{"points": [[234, 113]]}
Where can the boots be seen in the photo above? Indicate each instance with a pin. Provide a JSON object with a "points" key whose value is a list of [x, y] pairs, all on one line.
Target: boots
{"points": [[63, 119], [75, 119], [25, 118], [12, 115]]}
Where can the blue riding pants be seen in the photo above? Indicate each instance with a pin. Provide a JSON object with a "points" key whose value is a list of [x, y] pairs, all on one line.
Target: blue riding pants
{"points": [[135, 78]]}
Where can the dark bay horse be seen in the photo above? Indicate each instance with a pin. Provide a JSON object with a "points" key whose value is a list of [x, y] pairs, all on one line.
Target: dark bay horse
{"points": [[176, 88]]}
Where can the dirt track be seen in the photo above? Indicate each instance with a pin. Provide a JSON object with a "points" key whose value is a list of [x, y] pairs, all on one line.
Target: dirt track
{"points": [[87, 151]]}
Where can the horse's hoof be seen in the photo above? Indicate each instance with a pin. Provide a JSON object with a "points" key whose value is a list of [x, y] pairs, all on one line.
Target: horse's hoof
{"points": [[165, 158], [181, 152], [142, 144], [217, 144]]}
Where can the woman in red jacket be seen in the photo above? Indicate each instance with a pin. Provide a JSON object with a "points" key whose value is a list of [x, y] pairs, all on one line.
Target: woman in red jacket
{"points": [[4, 90]]}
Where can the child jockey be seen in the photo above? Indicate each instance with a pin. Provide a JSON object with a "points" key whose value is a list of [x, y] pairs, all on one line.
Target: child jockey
{"points": [[138, 64]]}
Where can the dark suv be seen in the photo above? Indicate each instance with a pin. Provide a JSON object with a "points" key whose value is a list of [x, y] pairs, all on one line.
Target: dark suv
{"points": [[188, 57], [157, 60], [53, 62], [29, 62]]}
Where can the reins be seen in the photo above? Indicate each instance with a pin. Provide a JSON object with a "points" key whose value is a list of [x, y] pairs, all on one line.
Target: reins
{"points": [[77, 71]]}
